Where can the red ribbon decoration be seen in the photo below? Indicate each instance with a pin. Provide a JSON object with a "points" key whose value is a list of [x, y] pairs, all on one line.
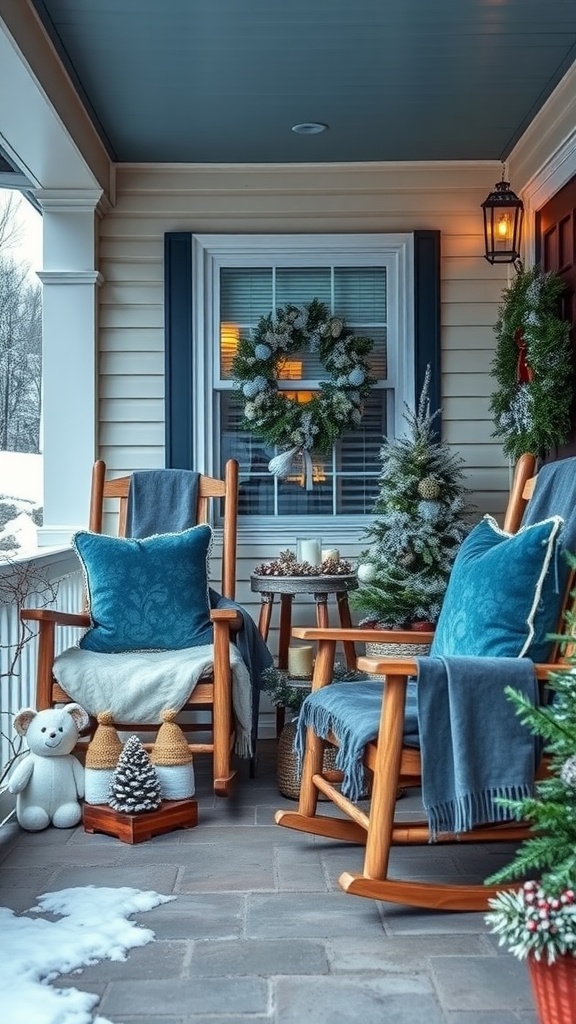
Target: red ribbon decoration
{"points": [[524, 373]]}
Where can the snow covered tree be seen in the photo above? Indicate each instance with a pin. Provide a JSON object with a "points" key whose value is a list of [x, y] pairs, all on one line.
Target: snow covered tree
{"points": [[135, 786], [420, 519]]}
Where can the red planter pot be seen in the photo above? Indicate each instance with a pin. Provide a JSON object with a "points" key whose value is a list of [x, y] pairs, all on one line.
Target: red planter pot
{"points": [[554, 988]]}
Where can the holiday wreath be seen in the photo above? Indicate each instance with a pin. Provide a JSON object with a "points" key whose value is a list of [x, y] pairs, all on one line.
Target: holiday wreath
{"points": [[301, 428], [532, 365]]}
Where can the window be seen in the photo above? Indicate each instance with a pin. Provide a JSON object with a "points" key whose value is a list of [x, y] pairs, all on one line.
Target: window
{"points": [[366, 279]]}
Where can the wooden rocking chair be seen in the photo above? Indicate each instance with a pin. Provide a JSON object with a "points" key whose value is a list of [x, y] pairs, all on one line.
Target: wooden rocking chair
{"points": [[213, 693], [393, 765]]}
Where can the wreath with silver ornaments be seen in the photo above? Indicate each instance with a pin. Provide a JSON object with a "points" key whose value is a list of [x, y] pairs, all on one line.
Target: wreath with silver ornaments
{"points": [[532, 366], [302, 429]]}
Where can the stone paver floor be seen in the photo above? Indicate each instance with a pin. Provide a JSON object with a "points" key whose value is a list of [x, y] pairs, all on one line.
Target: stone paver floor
{"points": [[260, 931]]}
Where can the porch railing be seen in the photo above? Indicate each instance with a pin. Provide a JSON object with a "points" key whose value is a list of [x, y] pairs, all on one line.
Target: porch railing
{"points": [[48, 579]]}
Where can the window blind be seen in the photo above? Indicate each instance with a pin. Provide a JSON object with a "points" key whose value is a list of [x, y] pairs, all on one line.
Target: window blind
{"points": [[346, 480]]}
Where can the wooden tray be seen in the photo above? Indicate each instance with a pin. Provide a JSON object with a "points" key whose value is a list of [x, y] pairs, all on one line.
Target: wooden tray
{"points": [[136, 828]]}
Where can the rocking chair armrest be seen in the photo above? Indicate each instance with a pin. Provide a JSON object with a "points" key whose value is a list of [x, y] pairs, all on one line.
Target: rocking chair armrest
{"points": [[409, 667], [58, 618], [359, 635], [388, 666], [229, 616]]}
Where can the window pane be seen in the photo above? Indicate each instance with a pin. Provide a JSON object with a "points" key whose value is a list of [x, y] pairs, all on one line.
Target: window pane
{"points": [[247, 294], [360, 294], [299, 285], [346, 484]]}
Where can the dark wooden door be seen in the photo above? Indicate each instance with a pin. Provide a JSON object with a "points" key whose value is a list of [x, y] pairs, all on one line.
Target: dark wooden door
{"points": [[556, 250]]}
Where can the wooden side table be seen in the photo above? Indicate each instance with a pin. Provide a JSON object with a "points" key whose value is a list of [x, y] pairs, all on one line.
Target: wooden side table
{"points": [[287, 588]]}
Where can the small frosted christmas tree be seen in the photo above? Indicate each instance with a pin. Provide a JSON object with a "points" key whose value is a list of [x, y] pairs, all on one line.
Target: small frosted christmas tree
{"points": [[135, 786], [420, 519]]}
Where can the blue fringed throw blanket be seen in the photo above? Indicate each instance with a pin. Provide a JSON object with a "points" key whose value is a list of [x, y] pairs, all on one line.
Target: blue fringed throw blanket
{"points": [[555, 493], [161, 501], [474, 749]]}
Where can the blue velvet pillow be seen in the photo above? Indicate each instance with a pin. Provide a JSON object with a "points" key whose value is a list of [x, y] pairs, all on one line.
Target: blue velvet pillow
{"points": [[504, 593], [149, 594]]}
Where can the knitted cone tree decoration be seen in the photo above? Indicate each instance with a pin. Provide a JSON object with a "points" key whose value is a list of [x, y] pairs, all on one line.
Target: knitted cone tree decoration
{"points": [[172, 759], [135, 787], [102, 757], [420, 519]]}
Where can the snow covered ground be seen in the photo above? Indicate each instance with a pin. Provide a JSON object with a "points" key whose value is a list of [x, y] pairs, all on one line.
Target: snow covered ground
{"points": [[93, 924], [20, 500]]}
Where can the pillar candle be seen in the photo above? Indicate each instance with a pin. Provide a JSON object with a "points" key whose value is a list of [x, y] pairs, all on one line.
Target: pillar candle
{"points": [[300, 662], [309, 549], [330, 553]]}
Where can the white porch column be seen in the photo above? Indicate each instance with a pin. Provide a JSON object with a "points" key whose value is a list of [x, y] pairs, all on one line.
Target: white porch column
{"points": [[69, 318]]}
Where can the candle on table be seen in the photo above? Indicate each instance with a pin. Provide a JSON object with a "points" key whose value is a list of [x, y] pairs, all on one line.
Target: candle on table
{"points": [[330, 553], [309, 549], [300, 662]]}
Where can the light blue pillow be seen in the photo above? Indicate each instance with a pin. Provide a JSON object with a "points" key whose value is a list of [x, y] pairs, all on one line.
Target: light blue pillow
{"points": [[504, 593], [149, 594]]}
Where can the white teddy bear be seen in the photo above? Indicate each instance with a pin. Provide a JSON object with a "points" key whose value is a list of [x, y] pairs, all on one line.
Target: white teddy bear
{"points": [[49, 780]]}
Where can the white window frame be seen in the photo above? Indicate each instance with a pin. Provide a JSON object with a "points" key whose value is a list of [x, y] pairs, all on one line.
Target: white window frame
{"points": [[211, 253]]}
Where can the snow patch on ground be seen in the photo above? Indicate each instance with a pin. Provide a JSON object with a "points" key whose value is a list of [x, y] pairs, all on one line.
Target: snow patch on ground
{"points": [[94, 926]]}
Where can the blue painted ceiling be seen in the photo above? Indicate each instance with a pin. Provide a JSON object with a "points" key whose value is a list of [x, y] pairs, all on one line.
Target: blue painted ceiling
{"points": [[223, 81]]}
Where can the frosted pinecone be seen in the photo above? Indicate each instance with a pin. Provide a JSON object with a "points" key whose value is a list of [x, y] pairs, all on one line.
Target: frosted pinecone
{"points": [[429, 488], [134, 786]]}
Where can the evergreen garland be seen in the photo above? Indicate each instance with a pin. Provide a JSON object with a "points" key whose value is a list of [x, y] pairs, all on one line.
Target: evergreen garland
{"points": [[420, 520], [532, 366], [135, 786], [301, 428], [541, 916]]}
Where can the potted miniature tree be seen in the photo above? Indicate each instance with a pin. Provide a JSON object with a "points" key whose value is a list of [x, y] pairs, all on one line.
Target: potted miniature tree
{"points": [[537, 922], [420, 519]]}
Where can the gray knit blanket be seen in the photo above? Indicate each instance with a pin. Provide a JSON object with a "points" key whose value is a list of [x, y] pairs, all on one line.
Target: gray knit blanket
{"points": [[473, 747], [137, 686]]}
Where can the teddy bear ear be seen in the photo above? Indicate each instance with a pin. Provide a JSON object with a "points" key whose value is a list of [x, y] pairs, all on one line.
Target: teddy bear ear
{"points": [[79, 715], [23, 719]]}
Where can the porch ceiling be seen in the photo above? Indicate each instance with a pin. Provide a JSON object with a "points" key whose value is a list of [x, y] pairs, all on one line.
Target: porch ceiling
{"points": [[223, 82]]}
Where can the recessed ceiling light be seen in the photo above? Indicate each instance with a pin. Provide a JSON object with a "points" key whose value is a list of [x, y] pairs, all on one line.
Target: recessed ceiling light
{"points": [[309, 128]]}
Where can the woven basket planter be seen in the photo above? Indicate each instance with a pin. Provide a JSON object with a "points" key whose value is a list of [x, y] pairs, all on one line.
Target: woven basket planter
{"points": [[382, 650], [554, 988], [288, 775]]}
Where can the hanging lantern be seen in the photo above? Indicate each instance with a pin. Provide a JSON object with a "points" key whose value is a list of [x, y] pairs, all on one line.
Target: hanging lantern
{"points": [[503, 214]]}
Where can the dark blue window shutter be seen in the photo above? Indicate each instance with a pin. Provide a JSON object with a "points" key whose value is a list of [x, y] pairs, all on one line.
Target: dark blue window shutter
{"points": [[178, 349], [427, 316]]}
